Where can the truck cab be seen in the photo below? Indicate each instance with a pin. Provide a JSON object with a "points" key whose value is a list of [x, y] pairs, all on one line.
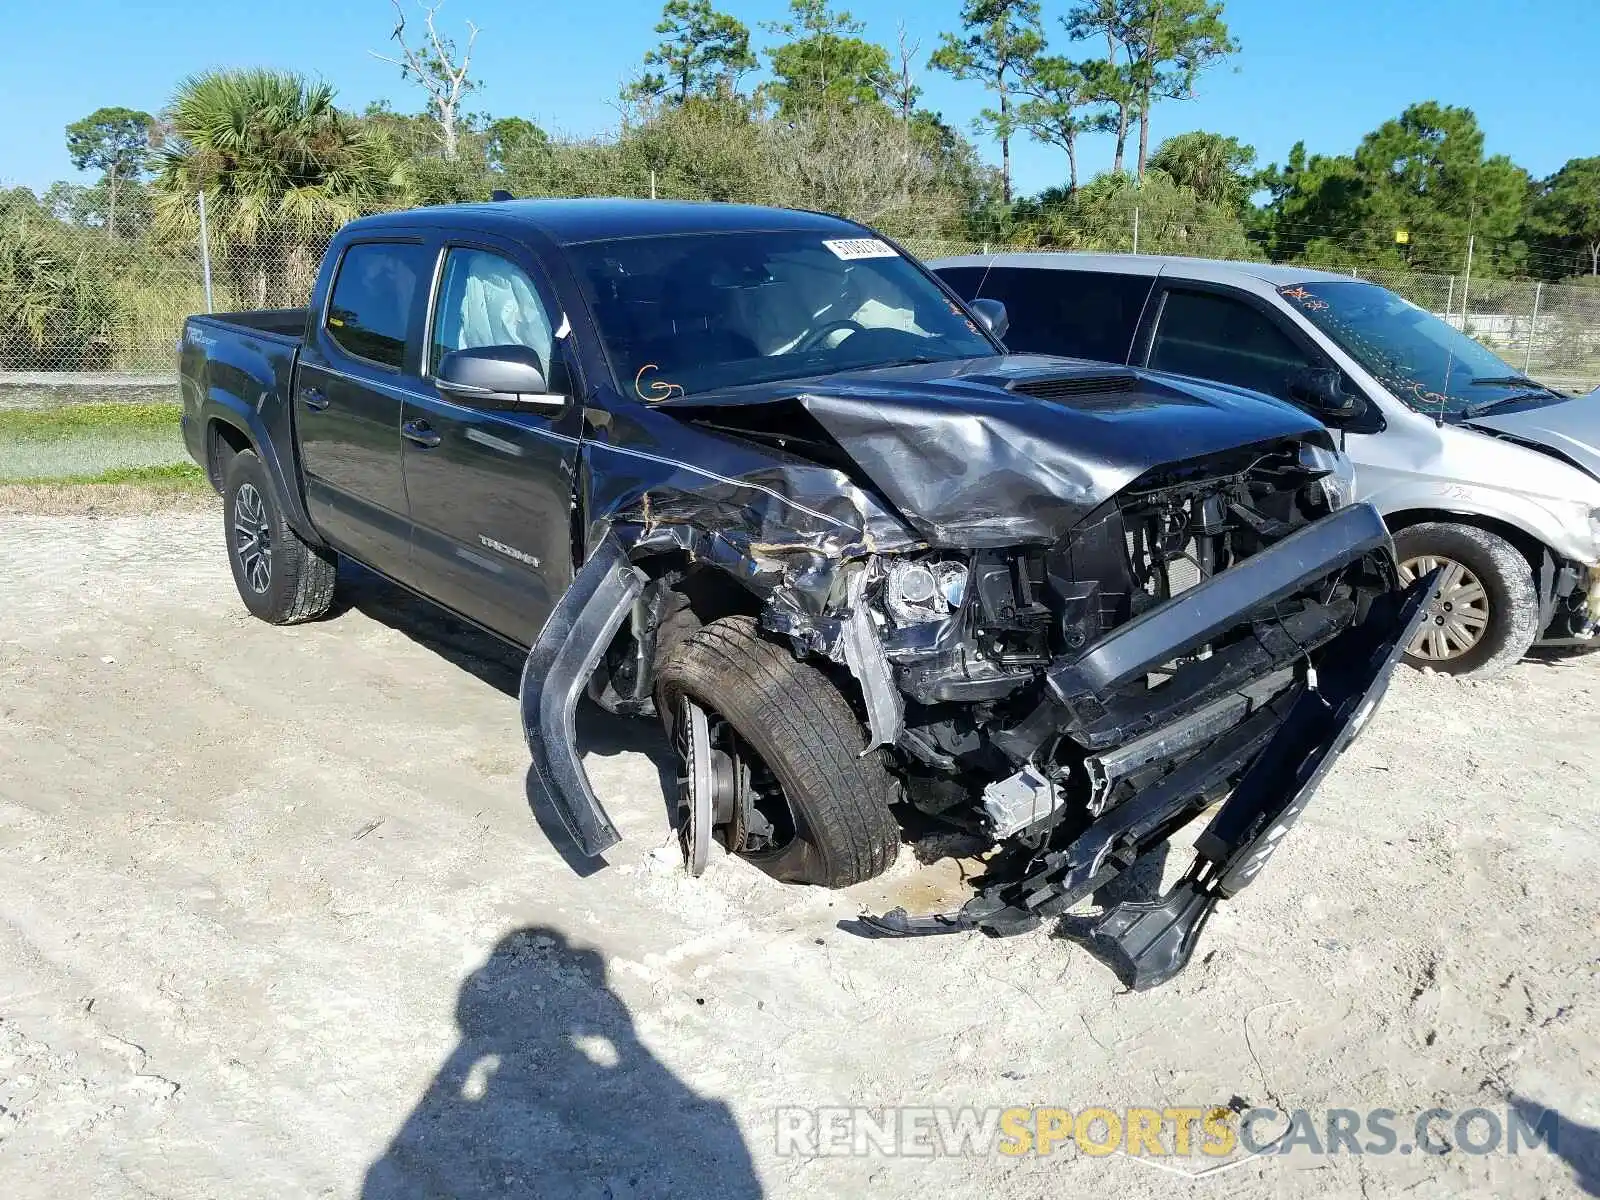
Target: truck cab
{"points": [[463, 496]]}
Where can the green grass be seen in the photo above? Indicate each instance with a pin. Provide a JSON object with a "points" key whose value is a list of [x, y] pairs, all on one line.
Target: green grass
{"points": [[93, 443], [78, 420], [184, 476]]}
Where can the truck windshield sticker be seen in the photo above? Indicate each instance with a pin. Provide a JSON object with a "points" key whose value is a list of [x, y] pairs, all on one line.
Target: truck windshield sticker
{"points": [[850, 249]]}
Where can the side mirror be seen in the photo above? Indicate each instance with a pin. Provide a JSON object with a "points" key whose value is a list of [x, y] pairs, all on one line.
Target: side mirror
{"points": [[992, 316], [1320, 390], [500, 377]]}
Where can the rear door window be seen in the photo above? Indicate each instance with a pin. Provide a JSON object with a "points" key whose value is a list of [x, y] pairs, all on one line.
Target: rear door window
{"points": [[369, 313], [1079, 314], [1223, 339]]}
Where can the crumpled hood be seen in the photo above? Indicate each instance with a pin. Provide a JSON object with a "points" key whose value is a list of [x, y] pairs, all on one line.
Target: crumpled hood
{"points": [[1003, 450], [1570, 428]]}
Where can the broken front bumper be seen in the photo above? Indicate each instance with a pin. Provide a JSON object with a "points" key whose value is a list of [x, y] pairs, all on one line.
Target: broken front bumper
{"points": [[1267, 724], [1569, 605], [1289, 746]]}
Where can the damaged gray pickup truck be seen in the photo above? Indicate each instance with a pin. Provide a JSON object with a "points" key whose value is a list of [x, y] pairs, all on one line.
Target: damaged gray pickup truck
{"points": [[760, 473]]}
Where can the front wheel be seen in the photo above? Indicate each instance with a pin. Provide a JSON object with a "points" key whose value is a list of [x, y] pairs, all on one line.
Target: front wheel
{"points": [[1483, 614], [281, 578], [776, 748]]}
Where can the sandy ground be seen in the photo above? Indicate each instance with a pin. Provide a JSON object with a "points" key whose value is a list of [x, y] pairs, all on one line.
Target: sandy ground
{"points": [[279, 920], [94, 501]]}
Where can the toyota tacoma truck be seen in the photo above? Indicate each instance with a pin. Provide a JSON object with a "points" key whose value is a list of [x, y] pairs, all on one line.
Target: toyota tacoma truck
{"points": [[760, 474]]}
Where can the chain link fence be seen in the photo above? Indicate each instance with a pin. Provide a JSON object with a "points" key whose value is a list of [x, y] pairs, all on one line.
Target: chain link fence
{"points": [[75, 301], [1550, 331]]}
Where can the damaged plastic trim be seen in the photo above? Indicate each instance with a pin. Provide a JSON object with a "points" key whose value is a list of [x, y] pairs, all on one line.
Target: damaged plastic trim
{"points": [[863, 654], [559, 665]]}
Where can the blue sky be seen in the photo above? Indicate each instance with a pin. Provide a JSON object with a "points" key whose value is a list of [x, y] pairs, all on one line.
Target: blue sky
{"points": [[1326, 71]]}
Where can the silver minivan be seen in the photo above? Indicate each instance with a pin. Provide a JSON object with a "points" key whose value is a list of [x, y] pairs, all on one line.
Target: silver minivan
{"points": [[1476, 467]]}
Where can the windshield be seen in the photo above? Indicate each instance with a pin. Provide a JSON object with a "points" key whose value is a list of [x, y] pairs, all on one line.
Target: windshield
{"points": [[686, 314], [1428, 365]]}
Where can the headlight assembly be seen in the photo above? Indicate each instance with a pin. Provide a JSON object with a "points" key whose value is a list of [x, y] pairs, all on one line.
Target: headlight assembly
{"points": [[1337, 474], [920, 590]]}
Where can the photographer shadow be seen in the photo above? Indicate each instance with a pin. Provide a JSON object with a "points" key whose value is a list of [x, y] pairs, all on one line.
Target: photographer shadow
{"points": [[1576, 1145], [550, 1094]]}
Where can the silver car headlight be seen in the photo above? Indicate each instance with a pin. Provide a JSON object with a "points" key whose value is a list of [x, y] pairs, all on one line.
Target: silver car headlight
{"points": [[1336, 474], [1594, 526]]}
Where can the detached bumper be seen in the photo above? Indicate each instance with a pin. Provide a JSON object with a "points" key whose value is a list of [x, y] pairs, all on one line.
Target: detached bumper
{"points": [[1268, 762], [1100, 699], [1147, 943], [1214, 606]]}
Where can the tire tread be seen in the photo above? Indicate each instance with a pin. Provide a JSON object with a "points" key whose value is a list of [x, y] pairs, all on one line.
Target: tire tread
{"points": [[807, 733], [303, 575]]}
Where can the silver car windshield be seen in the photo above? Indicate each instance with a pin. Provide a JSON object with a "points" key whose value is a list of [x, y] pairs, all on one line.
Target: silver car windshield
{"points": [[1428, 364]]}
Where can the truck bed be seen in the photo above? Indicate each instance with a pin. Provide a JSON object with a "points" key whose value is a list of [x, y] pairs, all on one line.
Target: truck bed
{"points": [[238, 367], [287, 324]]}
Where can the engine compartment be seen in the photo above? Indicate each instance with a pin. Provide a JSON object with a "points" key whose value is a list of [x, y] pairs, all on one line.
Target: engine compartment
{"points": [[970, 653]]}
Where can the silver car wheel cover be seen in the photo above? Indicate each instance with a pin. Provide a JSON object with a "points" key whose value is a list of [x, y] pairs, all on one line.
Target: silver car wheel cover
{"points": [[1458, 612]]}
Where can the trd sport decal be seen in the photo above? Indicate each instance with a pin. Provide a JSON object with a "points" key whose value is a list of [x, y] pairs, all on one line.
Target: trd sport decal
{"points": [[508, 551]]}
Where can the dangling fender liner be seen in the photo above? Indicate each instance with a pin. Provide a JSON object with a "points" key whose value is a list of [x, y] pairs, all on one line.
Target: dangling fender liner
{"points": [[563, 657]]}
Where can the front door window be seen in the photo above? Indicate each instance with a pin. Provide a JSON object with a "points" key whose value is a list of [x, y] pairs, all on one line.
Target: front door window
{"points": [[486, 300], [1223, 339]]}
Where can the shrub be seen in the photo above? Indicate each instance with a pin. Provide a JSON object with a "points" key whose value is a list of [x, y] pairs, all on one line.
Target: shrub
{"points": [[55, 308]]}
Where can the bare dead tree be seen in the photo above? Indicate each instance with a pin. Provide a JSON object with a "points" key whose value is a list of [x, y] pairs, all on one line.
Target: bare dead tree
{"points": [[898, 87], [432, 65]]}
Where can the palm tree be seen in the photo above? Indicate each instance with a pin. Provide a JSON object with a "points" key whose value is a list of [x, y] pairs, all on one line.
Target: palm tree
{"points": [[281, 168], [1216, 168]]}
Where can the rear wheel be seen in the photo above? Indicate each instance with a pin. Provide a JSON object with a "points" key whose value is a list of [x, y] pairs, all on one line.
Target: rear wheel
{"points": [[281, 578], [779, 749], [1483, 614]]}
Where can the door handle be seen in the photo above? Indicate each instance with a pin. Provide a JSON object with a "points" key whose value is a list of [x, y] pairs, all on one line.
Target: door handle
{"points": [[315, 398], [421, 433]]}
